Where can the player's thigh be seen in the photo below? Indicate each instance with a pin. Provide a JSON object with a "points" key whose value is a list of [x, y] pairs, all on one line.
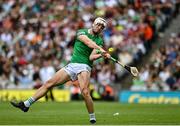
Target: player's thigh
{"points": [[84, 79], [60, 77]]}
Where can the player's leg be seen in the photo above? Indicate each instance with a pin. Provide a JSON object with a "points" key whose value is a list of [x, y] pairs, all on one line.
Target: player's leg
{"points": [[84, 78], [60, 77]]}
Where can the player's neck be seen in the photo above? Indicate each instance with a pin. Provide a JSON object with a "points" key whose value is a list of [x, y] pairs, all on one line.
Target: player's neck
{"points": [[90, 31]]}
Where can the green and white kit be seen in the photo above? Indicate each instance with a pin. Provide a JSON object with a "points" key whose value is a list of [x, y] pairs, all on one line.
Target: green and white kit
{"points": [[81, 52]]}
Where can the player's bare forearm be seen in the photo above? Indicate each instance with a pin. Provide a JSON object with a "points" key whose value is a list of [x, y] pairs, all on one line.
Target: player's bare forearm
{"points": [[90, 43], [95, 56]]}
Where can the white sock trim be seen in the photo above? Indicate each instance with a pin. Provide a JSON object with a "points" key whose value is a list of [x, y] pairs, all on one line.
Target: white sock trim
{"points": [[29, 102], [92, 116], [26, 103]]}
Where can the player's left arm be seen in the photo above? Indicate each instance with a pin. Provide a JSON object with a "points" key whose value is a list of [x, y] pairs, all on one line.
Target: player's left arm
{"points": [[94, 55]]}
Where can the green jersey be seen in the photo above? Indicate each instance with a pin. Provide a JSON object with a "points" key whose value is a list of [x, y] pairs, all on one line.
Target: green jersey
{"points": [[81, 51]]}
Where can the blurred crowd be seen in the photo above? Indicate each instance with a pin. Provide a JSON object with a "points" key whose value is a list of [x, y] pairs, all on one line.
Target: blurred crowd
{"points": [[37, 36], [162, 73]]}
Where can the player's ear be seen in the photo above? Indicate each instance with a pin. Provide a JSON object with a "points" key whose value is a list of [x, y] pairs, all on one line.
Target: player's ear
{"points": [[101, 34]]}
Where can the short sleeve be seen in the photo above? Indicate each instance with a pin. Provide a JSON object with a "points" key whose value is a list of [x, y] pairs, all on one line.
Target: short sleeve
{"points": [[80, 32]]}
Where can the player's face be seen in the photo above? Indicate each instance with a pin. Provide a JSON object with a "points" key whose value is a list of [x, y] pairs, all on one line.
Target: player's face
{"points": [[97, 28]]}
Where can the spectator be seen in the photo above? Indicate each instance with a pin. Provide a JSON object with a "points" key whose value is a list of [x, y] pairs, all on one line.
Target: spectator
{"points": [[28, 27], [162, 73]]}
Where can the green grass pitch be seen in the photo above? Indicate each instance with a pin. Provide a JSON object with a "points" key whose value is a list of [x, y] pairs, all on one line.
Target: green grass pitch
{"points": [[74, 113]]}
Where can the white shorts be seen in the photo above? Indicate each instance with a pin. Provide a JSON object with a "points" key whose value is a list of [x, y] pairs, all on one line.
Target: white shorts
{"points": [[73, 69]]}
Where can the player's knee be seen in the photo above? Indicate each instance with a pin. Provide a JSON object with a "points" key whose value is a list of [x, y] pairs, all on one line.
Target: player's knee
{"points": [[85, 92], [49, 84]]}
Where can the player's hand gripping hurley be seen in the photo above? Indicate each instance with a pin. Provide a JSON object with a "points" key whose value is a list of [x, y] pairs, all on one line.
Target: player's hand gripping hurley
{"points": [[132, 70]]}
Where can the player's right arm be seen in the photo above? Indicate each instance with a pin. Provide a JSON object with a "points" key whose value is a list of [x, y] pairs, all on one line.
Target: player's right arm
{"points": [[87, 41]]}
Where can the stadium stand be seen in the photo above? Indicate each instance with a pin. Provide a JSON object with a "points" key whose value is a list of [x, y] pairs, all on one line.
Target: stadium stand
{"points": [[33, 31], [162, 72]]}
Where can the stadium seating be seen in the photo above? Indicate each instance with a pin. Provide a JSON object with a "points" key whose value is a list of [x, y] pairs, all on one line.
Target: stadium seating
{"points": [[33, 32]]}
